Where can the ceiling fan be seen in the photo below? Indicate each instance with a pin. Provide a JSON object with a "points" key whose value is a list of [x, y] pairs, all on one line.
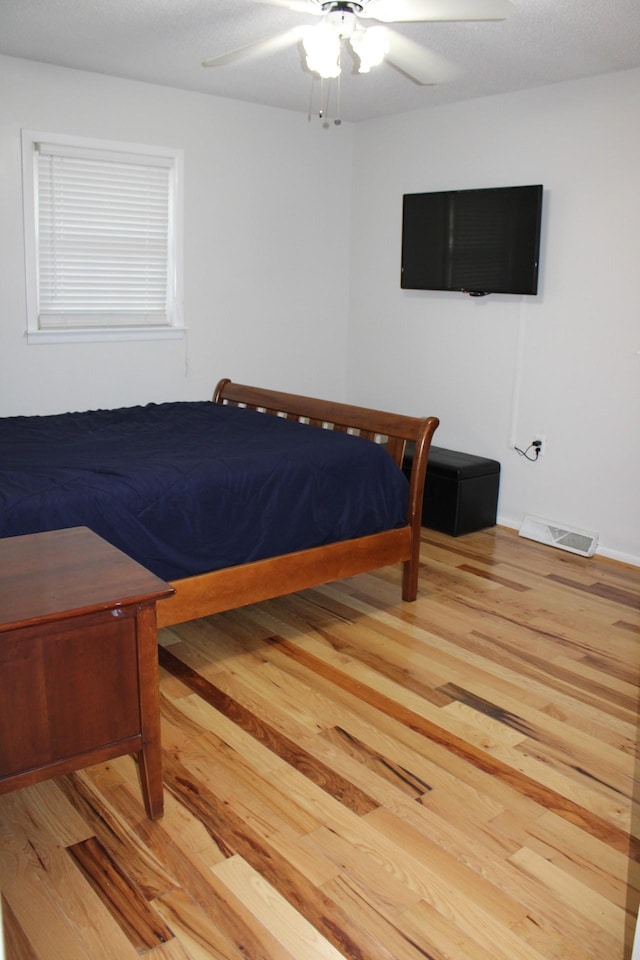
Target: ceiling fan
{"points": [[342, 21]]}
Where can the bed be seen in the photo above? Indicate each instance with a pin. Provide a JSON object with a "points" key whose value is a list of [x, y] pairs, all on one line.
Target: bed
{"points": [[232, 501]]}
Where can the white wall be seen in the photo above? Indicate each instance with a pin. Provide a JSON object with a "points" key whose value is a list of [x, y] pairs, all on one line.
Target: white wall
{"points": [[266, 246], [564, 364], [287, 254]]}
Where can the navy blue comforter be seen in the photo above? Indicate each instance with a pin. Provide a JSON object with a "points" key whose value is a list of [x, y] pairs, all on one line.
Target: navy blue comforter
{"points": [[184, 488]]}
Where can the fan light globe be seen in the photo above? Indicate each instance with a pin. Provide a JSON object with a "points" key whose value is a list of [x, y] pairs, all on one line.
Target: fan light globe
{"points": [[322, 48], [370, 46]]}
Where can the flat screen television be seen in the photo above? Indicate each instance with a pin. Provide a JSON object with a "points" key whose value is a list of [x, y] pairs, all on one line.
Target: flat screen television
{"points": [[476, 241]]}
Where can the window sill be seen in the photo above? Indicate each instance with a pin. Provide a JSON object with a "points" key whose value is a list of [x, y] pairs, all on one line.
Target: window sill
{"points": [[80, 335]]}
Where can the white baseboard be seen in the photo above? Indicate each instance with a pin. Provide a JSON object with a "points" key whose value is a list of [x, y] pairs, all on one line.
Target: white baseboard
{"points": [[629, 558]]}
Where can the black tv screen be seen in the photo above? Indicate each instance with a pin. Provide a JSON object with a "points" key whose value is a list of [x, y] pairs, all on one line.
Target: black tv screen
{"points": [[477, 241]]}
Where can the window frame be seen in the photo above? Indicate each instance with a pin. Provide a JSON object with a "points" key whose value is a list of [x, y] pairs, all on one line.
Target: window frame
{"points": [[113, 151]]}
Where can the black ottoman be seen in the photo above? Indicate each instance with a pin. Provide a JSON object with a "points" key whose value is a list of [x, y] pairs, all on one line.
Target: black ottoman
{"points": [[461, 491]]}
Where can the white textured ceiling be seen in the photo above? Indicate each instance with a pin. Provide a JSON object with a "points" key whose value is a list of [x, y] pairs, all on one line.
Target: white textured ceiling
{"points": [[165, 41]]}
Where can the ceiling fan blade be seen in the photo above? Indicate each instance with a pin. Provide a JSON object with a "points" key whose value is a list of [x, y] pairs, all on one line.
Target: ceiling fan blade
{"points": [[406, 11], [260, 48], [419, 64]]}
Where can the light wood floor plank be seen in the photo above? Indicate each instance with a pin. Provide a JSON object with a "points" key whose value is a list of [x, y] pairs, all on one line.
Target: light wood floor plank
{"points": [[268, 908], [491, 878], [60, 915]]}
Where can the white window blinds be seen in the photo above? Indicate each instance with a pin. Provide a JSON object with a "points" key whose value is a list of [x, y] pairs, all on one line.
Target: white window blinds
{"points": [[104, 222]]}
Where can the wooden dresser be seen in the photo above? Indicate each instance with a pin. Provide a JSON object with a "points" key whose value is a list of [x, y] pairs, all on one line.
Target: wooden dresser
{"points": [[78, 659]]}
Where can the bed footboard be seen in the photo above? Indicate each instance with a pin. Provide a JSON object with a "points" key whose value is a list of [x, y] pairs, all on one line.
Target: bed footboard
{"points": [[253, 582]]}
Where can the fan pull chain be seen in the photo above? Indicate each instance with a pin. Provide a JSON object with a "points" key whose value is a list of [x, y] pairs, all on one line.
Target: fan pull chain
{"points": [[325, 101]]}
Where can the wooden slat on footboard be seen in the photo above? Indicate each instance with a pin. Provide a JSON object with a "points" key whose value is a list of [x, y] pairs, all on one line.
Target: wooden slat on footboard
{"points": [[319, 412]]}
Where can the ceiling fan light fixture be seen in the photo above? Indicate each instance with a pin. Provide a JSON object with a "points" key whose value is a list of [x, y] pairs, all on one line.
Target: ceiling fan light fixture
{"points": [[370, 46]]}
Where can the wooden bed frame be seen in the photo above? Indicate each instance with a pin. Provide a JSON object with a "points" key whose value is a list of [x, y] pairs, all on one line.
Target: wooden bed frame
{"points": [[237, 586]]}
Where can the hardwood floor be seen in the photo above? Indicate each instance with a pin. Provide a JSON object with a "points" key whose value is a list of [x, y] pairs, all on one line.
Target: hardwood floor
{"points": [[350, 776]]}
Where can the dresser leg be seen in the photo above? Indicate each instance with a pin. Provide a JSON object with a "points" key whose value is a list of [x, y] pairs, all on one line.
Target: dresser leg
{"points": [[150, 765], [150, 757]]}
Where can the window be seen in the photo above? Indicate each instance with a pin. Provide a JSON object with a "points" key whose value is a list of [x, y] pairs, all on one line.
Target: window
{"points": [[102, 239]]}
